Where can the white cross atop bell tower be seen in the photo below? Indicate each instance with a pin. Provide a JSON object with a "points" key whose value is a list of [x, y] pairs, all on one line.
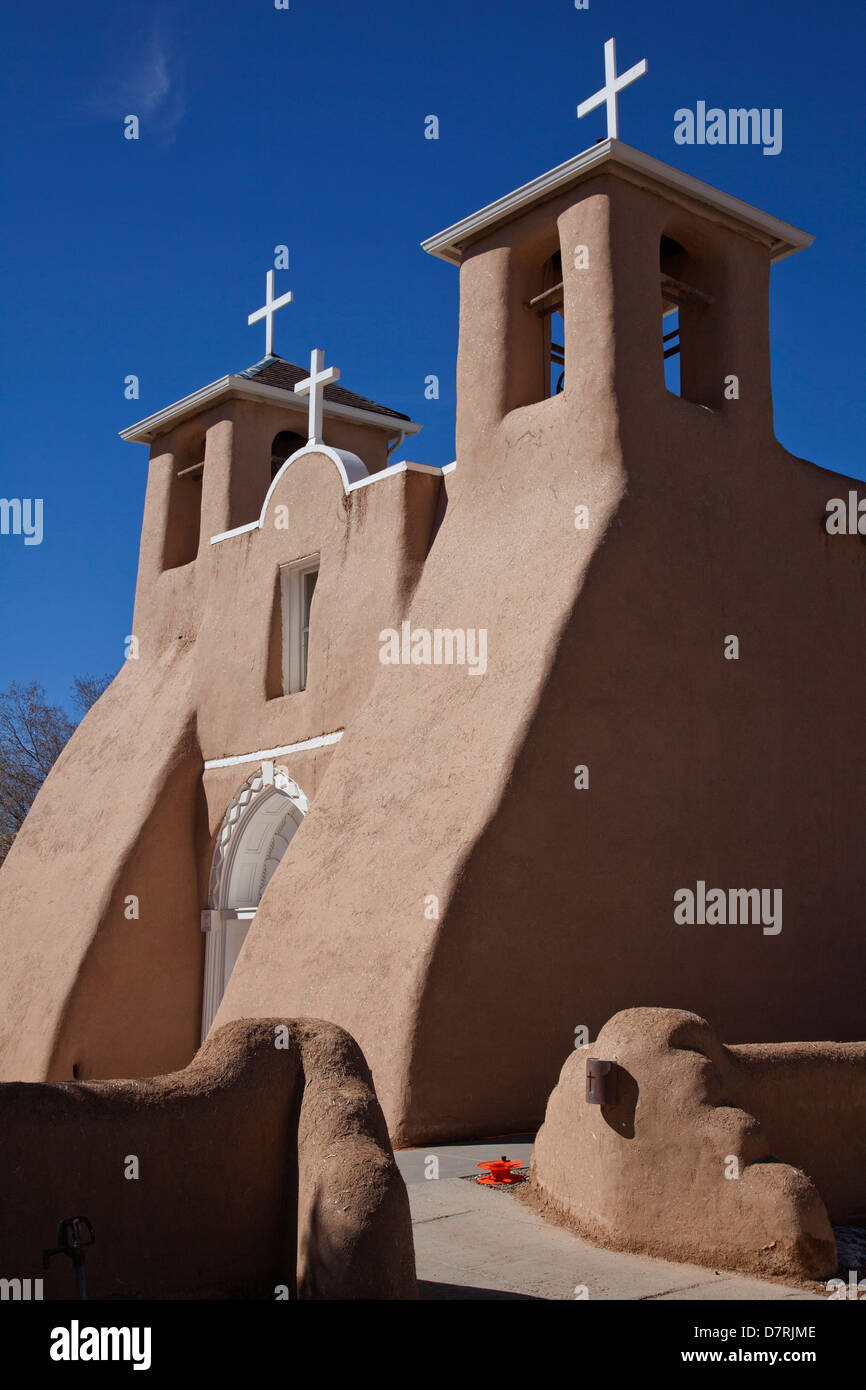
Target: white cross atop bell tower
{"points": [[314, 383], [267, 311], [612, 86]]}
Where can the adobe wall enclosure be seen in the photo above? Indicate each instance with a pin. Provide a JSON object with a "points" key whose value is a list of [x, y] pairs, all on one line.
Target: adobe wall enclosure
{"points": [[735, 1156], [255, 1141]]}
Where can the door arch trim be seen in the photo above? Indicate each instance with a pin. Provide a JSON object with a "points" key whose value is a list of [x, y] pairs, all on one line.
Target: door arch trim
{"points": [[266, 783]]}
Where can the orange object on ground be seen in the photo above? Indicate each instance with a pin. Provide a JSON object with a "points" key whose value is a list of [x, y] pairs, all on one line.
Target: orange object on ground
{"points": [[500, 1171]]}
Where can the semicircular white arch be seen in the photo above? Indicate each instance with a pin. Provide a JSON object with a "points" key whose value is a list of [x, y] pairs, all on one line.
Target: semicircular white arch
{"points": [[255, 833], [348, 465]]}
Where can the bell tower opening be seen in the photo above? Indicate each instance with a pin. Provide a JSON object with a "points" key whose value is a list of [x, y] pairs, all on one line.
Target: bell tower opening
{"points": [[181, 539], [547, 306], [286, 443], [683, 307]]}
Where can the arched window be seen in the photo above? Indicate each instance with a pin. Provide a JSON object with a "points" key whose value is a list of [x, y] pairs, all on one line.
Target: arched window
{"points": [[286, 443]]}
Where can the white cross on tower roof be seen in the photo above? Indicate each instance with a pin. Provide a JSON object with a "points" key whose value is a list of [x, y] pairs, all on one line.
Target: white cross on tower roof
{"points": [[612, 85], [267, 311], [314, 383]]}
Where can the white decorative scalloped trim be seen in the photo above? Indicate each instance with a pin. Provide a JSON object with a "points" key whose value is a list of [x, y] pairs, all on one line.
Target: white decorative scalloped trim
{"points": [[241, 805]]}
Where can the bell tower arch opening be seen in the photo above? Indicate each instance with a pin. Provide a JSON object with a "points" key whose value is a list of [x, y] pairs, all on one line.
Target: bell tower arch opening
{"points": [[546, 304], [255, 833]]}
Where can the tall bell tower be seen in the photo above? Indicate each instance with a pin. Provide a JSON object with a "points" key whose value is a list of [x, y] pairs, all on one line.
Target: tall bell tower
{"points": [[587, 281], [582, 284]]}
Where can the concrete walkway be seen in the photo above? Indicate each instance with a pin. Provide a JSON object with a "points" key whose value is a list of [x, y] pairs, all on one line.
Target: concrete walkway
{"points": [[475, 1242]]}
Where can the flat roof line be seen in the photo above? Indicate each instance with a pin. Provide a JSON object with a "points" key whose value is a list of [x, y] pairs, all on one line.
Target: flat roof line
{"points": [[450, 244], [145, 431]]}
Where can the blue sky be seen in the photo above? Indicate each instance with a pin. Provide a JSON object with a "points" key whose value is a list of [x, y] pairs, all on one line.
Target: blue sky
{"points": [[306, 127]]}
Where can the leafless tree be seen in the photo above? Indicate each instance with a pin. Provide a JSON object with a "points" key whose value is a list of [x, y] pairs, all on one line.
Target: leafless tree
{"points": [[32, 735]]}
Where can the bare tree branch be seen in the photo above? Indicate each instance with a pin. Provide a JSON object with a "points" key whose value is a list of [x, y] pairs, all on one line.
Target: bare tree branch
{"points": [[32, 736]]}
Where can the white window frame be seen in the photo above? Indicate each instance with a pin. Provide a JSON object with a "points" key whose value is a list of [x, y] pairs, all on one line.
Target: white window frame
{"points": [[292, 586]]}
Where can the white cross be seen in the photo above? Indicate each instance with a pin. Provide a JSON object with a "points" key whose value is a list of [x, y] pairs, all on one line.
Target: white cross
{"points": [[267, 312], [612, 85], [318, 378]]}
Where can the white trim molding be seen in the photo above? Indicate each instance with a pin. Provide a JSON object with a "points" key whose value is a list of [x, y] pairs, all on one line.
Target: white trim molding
{"points": [[783, 239], [269, 754], [254, 833], [348, 465], [295, 621], [255, 788], [235, 531], [238, 387], [352, 473], [391, 471]]}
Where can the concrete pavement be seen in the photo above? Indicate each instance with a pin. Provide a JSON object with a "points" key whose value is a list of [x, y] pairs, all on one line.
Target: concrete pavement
{"points": [[474, 1242]]}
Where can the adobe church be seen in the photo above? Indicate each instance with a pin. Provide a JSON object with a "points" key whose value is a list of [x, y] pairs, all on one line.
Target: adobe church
{"points": [[278, 809]]}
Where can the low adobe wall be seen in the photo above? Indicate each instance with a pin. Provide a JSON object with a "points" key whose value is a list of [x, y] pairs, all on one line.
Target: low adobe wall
{"points": [[811, 1101], [265, 1162], [731, 1156]]}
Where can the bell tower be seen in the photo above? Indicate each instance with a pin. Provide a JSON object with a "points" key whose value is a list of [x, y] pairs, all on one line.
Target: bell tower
{"points": [[591, 282]]}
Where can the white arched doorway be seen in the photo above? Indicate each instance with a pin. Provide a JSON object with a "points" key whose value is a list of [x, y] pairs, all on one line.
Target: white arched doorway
{"points": [[256, 831]]}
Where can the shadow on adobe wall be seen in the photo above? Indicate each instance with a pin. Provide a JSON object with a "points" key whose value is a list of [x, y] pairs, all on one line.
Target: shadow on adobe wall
{"points": [[264, 1164]]}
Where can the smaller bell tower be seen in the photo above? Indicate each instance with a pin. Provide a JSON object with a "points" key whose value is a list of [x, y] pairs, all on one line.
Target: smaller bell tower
{"points": [[214, 456]]}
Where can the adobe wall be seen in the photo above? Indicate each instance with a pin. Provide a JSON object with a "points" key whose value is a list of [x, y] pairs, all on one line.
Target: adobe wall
{"points": [[407, 797], [728, 1156], [739, 773], [811, 1100], [234, 438], [89, 973], [371, 543], [449, 888], [130, 810], [605, 648], [258, 1166]]}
